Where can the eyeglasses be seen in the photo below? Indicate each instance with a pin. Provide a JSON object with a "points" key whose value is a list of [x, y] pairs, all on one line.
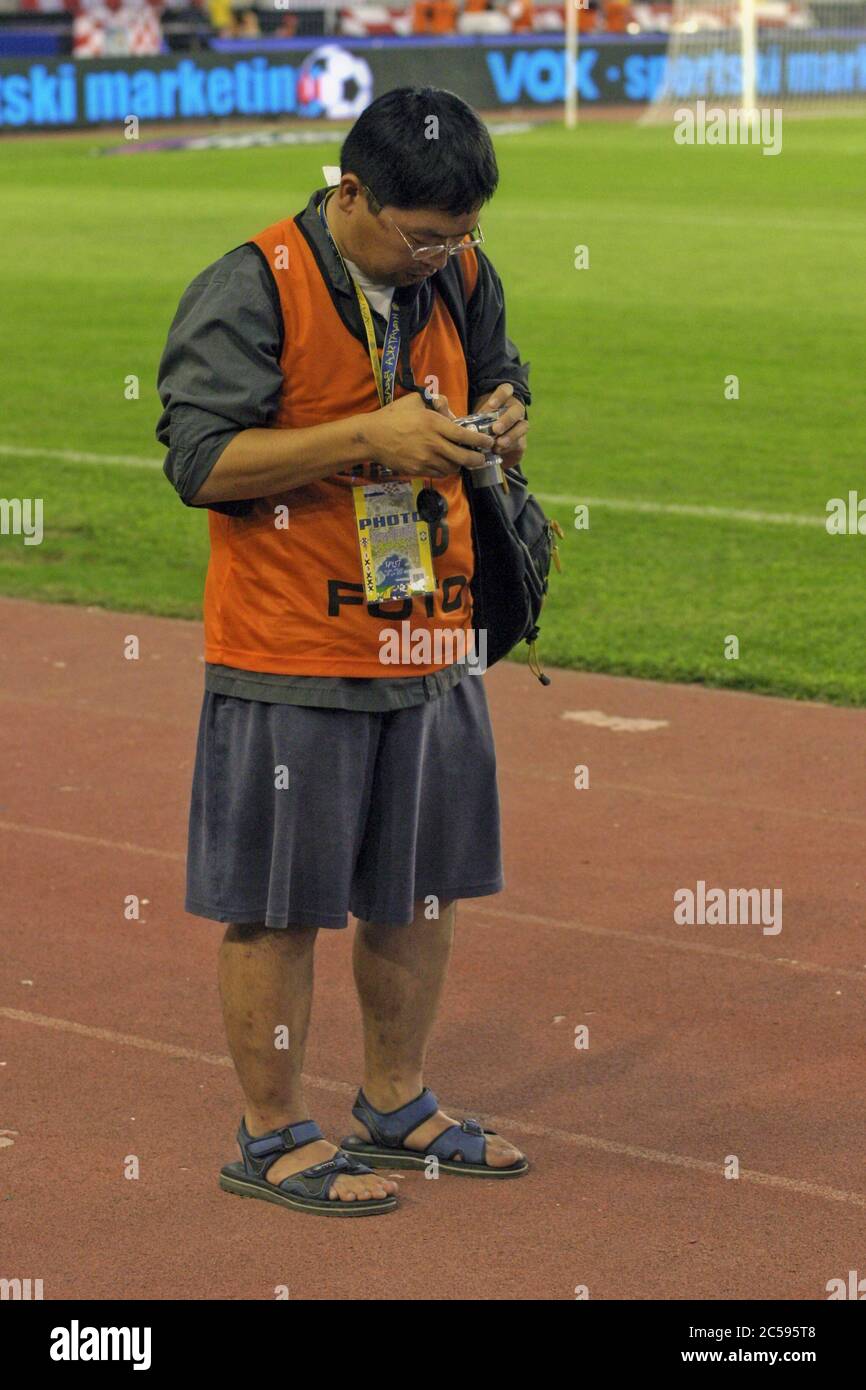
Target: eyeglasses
{"points": [[423, 252]]}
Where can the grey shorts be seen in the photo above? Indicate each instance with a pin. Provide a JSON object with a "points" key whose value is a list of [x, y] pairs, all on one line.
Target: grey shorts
{"points": [[302, 815]]}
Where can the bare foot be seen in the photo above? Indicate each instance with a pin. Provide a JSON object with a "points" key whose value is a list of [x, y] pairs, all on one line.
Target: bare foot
{"points": [[345, 1187]]}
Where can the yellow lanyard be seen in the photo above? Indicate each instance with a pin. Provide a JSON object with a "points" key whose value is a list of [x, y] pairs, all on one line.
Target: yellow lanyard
{"points": [[390, 352]]}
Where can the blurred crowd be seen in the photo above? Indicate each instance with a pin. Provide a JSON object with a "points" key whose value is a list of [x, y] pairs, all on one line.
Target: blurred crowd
{"points": [[240, 19]]}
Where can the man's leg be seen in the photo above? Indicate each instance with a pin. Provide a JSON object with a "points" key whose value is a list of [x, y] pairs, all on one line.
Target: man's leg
{"points": [[399, 973], [265, 981]]}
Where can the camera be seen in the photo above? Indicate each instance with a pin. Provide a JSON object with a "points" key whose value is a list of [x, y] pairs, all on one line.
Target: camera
{"points": [[490, 472]]}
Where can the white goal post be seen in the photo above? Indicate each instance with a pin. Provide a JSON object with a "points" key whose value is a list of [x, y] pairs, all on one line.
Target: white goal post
{"points": [[571, 42], [805, 57]]}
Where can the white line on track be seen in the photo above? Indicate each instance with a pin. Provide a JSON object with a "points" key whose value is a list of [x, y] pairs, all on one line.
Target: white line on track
{"points": [[617, 504], [95, 841], [474, 909], [501, 1122], [646, 938], [619, 723]]}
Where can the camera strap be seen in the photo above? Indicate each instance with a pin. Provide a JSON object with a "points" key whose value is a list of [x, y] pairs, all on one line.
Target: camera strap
{"points": [[397, 336], [393, 536], [385, 371]]}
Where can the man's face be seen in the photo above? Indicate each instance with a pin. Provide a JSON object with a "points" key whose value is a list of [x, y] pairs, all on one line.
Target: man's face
{"points": [[379, 249]]}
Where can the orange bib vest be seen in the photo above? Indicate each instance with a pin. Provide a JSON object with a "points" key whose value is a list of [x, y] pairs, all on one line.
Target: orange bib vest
{"points": [[284, 590]]}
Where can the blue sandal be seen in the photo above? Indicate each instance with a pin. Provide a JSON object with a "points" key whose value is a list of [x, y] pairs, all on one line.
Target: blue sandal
{"points": [[390, 1128], [307, 1190]]}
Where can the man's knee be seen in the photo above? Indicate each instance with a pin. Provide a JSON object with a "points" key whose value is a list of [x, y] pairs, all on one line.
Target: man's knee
{"points": [[247, 932]]}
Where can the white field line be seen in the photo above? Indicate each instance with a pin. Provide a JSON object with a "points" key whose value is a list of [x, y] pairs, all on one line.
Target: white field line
{"points": [[617, 504], [712, 1168], [593, 211], [72, 456], [622, 504]]}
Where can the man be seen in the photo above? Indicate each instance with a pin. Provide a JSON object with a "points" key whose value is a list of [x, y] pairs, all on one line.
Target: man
{"points": [[298, 381]]}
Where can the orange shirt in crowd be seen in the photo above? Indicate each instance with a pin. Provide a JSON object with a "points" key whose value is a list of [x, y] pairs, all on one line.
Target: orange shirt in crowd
{"points": [[434, 17], [616, 16], [520, 12]]}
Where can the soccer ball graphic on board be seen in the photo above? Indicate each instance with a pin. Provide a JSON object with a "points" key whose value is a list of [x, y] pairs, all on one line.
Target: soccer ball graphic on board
{"points": [[334, 82]]}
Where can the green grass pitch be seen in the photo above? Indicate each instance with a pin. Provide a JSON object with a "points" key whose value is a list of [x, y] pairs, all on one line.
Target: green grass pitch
{"points": [[704, 262]]}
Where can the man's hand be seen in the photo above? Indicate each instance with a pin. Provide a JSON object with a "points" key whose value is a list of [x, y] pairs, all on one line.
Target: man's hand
{"points": [[511, 428], [408, 438]]}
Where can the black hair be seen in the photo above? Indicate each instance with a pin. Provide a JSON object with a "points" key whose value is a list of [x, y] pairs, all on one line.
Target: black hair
{"points": [[409, 160]]}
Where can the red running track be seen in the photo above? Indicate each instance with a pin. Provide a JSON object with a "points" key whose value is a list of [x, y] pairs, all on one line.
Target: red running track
{"points": [[704, 1041]]}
